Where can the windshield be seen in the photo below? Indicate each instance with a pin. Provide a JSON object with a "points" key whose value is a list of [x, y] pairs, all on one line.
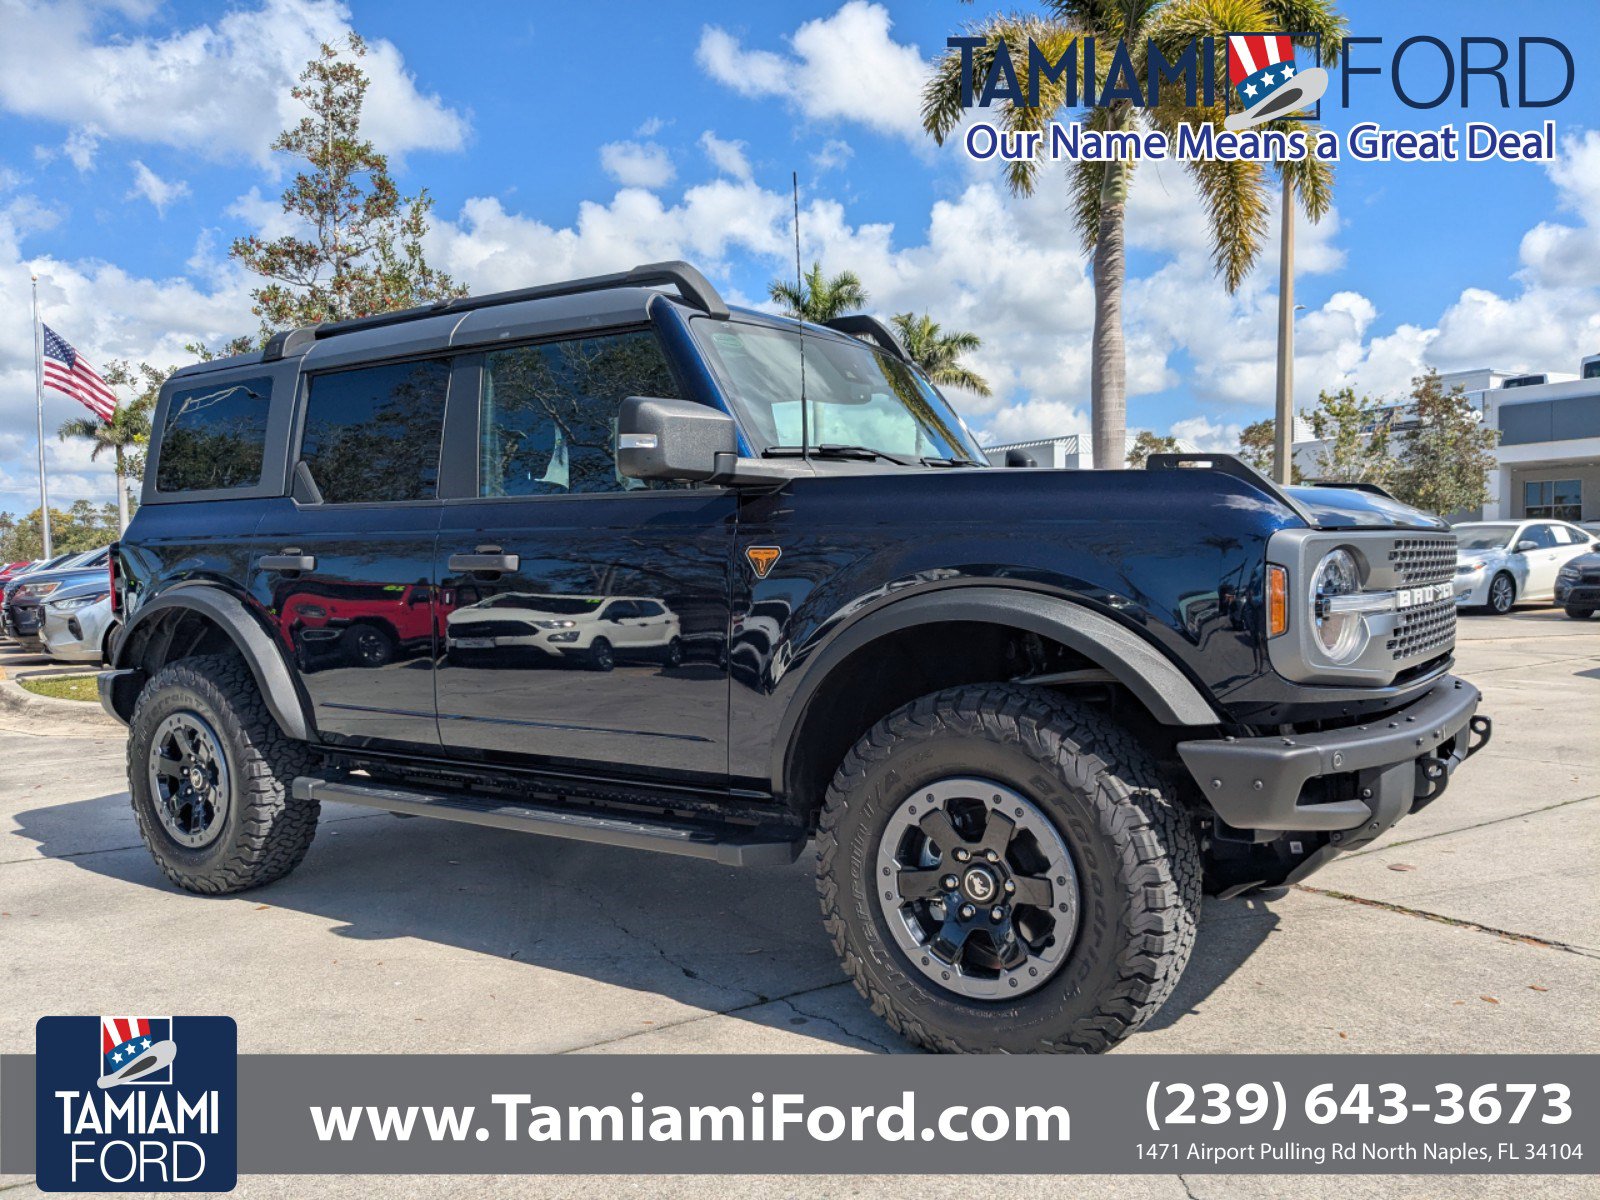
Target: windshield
{"points": [[854, 395], [1483, 537]]}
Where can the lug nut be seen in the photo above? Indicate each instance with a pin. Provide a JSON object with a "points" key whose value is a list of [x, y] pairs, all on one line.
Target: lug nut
{"points": [[966, 912], [962, 855], [998, 913], [1010, 886], [949, 883], [991, 856]]}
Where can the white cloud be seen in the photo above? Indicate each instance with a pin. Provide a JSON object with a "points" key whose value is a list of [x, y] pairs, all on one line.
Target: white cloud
{"points": [[726, 155], [834, 153], [650, 127], [843, 67], [80, 147], [1205, 434], [160, 192], [637, 164], [220, 90]]}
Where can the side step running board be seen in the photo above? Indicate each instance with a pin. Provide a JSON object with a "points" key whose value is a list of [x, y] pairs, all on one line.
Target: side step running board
{"points": [[671, 837]]}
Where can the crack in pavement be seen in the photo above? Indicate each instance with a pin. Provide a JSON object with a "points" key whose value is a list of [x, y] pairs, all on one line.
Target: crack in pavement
{"points": [[849, 1033], [1459, 923], [1428, 837], [1187, 1190], [758, 1002]]}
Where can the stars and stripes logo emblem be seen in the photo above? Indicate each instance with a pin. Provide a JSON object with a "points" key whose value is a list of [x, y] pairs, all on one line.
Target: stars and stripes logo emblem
{"points": [[136, 1050], [68, 372], [1263, 74]]}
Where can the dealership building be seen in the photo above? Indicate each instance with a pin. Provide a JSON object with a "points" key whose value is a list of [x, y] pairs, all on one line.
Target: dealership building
{"points": [[1547, 462]]}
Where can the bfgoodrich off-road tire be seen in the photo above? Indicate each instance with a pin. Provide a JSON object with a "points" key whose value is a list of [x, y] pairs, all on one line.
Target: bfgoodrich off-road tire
{"points": [[260, 833], [1134, 850]]}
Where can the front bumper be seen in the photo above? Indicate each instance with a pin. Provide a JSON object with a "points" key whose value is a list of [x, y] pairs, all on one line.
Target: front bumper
{"points": [[1577, 594], [1352, 783]]}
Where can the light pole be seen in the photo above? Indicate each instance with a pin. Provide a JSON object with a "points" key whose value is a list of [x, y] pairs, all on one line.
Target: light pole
{"points": [[38, 397], [1283, 422]]}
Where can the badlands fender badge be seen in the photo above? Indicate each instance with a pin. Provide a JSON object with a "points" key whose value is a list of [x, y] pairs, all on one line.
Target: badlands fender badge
{"points": [[762, 559]]}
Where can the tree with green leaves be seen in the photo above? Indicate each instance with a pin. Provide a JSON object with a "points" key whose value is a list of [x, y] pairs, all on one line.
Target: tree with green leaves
{"points": [[1445, 454], [939, 353], [126, 431], [1146, 444], [83, 526], [818, 298], [359, 246], [1258, 448], [1354, 432], [1235, 195]]}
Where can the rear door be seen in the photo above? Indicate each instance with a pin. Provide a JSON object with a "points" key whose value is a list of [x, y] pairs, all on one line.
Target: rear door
{"points": [[347, 568], [548, 518]]}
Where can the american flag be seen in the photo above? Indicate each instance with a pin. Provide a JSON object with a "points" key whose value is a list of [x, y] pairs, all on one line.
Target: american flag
{"points": [[69, 372]]}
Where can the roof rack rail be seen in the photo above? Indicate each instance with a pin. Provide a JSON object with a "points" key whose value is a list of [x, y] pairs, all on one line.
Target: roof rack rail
{"points": [[1230, 464], [693, 287], [862, 326]]}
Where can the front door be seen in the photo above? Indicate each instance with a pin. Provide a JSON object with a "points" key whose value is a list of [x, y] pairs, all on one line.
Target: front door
{"points": [[1543, 561], [348, 578], [585, 616]]}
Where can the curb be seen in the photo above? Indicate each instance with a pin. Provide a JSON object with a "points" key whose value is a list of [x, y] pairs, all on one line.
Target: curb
{"points": [[14, 698]]}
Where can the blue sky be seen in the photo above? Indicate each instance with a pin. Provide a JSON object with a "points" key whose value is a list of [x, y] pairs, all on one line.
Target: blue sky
{"points": [[577, 138]]}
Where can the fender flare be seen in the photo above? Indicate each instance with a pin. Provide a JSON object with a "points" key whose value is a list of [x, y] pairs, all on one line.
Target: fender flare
{"points": [[1171, 697], [254, 644]]}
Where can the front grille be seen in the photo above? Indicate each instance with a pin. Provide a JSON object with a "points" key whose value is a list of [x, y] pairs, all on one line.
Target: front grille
{"points": [[1425, 630], [1423, 560], [493, 629]]}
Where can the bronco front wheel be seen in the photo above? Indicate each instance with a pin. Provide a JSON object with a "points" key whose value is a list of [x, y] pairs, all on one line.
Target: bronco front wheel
{"points": [[1004, 870]]}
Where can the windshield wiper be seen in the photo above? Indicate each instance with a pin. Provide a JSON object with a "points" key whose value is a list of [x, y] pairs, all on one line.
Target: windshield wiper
{"points": [[933, 460], [834, 450]]}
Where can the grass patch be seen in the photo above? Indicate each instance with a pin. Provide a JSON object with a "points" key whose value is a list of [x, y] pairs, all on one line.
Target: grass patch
{"points": [[64, 687]]}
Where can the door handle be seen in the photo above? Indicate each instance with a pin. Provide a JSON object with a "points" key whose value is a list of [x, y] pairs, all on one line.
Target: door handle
{"points": [[290, 560], [487, 560]]}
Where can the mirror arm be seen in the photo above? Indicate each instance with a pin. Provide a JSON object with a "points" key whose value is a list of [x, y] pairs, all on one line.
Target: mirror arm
{"points": [[734, 471]]}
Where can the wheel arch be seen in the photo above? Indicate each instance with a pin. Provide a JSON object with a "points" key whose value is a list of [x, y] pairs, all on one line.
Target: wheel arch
{"points": [[1160, 687], [202, 619]]}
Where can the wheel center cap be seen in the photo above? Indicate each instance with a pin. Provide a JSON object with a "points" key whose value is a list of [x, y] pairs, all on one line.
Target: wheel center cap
{"points": [[980, 885], [197, 778]]}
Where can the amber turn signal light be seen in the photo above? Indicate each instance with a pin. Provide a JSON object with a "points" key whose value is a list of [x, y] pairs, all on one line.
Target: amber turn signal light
{"points": [[1277, 601]]}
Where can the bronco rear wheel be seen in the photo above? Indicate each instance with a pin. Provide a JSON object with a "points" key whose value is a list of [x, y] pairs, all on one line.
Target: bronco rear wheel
{"points": [[209, 774], [1004, 870]]}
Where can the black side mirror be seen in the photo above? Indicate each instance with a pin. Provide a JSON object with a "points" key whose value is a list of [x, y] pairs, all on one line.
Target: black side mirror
{"points": [[1019, 458], [672, 439]]}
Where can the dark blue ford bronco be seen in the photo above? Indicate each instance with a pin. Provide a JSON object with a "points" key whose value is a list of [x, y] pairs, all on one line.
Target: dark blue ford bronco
{"points": [[606, 560]]}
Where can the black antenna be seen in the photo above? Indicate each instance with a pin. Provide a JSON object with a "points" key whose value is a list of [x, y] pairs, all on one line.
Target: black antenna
{"points": [[800, 293]]}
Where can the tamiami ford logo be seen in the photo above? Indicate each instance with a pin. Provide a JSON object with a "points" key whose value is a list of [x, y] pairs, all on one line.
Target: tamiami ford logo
{"points": [[137, 1104]]}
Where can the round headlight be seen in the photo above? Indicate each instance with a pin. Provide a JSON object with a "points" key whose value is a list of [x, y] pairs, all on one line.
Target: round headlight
{"points": [[1342, 636]]}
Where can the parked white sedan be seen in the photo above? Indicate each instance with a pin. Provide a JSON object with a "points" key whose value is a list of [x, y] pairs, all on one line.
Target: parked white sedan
{"points": [[1502, 563], [76, 623]]}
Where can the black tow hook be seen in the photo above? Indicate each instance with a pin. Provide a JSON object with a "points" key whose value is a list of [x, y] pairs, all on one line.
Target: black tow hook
{"points": [[1483, 729]]}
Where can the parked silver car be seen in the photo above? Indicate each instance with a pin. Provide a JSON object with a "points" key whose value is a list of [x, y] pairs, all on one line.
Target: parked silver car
{"points": [[1502, 563], [76, 623]]}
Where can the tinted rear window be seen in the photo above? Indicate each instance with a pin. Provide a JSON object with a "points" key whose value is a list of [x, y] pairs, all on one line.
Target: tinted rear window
{"points": [[214, 437], [373, 434]]}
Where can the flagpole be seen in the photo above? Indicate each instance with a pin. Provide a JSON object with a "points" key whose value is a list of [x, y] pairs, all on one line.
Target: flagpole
{"points": [[38, 395]]}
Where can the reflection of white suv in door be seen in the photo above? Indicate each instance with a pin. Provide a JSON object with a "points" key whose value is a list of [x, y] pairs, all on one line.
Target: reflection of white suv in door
{"points": [[596, 630]]}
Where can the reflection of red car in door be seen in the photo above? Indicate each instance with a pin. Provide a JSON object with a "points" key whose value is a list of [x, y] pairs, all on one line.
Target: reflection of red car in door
{"points": [[359, 624]]}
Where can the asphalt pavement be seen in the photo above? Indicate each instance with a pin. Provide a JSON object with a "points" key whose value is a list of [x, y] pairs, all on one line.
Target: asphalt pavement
{"points": [[1473, 927]]}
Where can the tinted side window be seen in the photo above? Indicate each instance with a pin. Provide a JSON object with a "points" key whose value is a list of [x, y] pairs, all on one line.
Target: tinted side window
{"points": [[373, 434], [548, 417], [214, 437]]}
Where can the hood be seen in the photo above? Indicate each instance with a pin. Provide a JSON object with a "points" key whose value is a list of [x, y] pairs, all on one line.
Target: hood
{"points": [[86, 586], [1348, 508]]}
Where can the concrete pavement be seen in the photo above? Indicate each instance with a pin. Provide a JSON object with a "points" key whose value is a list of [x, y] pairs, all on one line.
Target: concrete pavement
{"points": [[1472, 927]]}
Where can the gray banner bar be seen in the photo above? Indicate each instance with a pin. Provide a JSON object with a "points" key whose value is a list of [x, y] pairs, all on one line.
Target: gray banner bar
{"points": [[1158, 1114]]}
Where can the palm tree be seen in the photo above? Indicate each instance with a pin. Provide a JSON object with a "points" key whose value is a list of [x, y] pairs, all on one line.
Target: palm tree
{"points": [[818, 299], [938, 353], [125, 430], [1235, 194]]}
